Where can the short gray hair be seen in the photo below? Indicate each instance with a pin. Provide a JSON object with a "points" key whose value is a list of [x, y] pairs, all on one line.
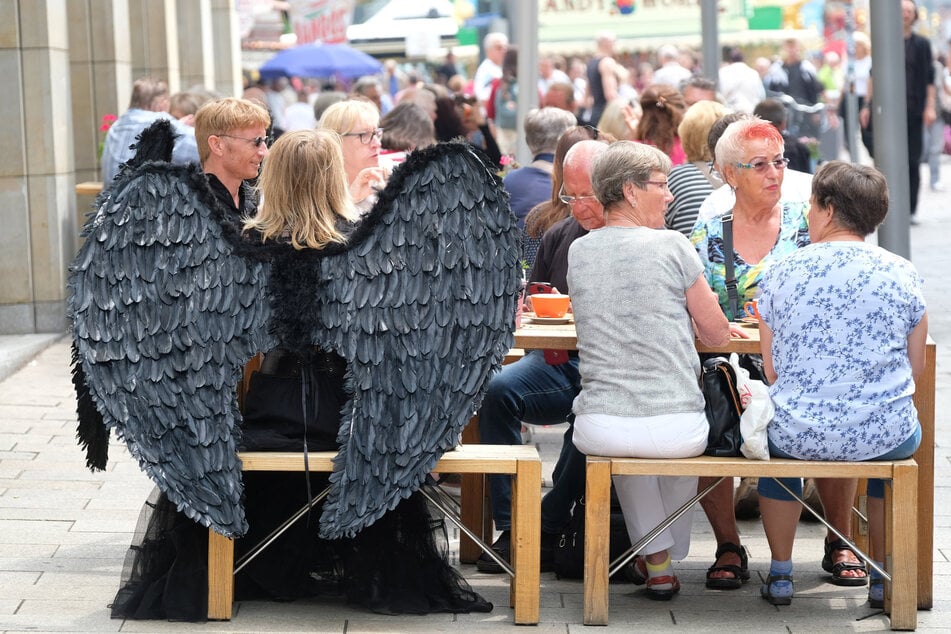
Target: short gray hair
{"points": [[621, 163], [544, 126], [495, 38]]}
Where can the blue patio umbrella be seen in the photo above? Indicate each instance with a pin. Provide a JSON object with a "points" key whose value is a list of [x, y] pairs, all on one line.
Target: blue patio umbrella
{"points": [[320, 60]]}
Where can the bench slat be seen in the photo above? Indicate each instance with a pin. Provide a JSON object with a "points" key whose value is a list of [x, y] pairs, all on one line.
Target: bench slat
{"points": [[741, 467], [462, 459]]}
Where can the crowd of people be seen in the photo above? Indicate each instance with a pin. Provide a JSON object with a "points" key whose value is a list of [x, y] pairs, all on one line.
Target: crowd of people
{"points": [[623, 148]]}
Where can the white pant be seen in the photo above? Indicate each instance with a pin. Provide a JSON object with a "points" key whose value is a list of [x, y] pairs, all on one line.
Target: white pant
{"points": [[648, 500]]}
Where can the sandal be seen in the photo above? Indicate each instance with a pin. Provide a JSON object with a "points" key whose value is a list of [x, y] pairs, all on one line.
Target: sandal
{"points": [[665, 594], [741, 573], [837, 568], [767, 594]]}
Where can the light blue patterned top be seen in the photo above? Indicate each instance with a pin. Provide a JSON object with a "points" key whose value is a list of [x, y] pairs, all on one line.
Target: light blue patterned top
{"points": [[841, 313], [120, 138]]}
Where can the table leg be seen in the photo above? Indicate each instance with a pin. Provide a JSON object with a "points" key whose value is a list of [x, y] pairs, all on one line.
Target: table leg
{"points": [[925, 404], [472, 503]]}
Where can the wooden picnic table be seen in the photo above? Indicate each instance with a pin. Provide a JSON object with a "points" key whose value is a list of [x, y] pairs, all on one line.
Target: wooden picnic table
{"points": [[532, 336]]}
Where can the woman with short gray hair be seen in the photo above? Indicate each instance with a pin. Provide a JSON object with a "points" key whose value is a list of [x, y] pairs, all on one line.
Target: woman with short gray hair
{"points": [[639, 297]]}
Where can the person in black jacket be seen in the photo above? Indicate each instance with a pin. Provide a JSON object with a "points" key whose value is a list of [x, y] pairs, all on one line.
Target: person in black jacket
{"points": [[919, 97]]}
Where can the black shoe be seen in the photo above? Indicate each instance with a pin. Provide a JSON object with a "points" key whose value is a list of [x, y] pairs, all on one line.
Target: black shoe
{"points": [[503, 548]]}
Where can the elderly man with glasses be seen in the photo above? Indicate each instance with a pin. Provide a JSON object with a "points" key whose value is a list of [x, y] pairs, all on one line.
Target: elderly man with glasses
{"points": [[540, 388]]}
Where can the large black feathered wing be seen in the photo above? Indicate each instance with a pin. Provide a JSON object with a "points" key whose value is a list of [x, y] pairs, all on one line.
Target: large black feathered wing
{"points": [[164, 316], [423, 311]]}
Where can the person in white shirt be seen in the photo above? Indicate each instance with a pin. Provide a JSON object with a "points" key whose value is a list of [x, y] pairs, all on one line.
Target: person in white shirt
{"points": [[494, 46], [149, 103], [549, 74], [670, 71], [741, 86], [300, 115]]}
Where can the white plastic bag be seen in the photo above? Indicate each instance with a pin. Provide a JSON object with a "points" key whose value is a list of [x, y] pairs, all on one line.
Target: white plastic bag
{"points": [[742, 380], [759, 411]]}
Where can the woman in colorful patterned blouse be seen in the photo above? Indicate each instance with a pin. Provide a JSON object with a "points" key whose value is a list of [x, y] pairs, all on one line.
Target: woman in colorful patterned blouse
{"points": [[842, 328], [749, 158]]}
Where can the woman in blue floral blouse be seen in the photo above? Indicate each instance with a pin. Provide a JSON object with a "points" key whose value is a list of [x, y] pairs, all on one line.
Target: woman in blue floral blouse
{"points": [[843, 329]]}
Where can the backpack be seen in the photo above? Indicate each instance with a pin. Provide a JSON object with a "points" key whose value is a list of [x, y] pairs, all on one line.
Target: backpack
{"points": [[506, 104]]}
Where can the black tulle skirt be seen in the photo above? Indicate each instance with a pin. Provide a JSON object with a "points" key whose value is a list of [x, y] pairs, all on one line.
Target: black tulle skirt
{"points": [[398, 565]]}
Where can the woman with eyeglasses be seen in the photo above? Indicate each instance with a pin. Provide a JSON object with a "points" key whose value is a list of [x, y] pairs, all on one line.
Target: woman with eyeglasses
{"points": [[357, 121], [749, 158], [639, 296], [763, 229]]}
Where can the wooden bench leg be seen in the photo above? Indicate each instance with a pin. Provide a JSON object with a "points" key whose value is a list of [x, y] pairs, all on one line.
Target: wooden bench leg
{"points": [[902, 546], [526, 541], [597, 555], [220, 576]]}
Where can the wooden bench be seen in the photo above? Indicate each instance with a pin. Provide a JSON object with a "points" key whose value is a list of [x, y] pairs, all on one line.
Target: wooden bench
{"points": [[901, 502], [520, 461]]}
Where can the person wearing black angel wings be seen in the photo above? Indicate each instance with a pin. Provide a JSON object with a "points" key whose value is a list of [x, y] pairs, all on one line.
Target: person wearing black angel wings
{"points": [[413, 306]]}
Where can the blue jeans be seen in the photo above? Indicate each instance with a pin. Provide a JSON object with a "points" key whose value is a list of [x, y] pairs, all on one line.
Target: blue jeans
{"points": [[768, 488], [536, 393]]}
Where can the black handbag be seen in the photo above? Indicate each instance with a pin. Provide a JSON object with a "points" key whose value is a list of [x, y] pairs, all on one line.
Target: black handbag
{"points": [[569, 551], [722, 407]]}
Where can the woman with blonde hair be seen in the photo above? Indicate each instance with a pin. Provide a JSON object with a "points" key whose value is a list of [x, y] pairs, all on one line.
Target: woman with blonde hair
{"points": [[663, 109], [307, 217], [620, 118], [357, 121], [691, 182]]}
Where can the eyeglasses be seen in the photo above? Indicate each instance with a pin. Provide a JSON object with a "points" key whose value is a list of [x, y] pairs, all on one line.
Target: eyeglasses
{"points": [[257, 141], [662, 184], [763, 165], [572, 200], [367, 136]]}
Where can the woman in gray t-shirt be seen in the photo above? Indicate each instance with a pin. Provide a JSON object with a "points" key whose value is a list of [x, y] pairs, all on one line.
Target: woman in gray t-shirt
{"points": [[639, 295]]}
